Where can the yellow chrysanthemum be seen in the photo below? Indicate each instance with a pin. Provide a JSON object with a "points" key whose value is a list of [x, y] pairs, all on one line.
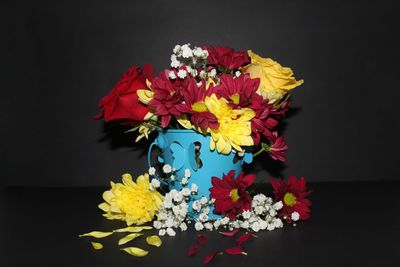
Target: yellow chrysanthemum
{"points": [[234, 125], [275, 81], [132, 202]]}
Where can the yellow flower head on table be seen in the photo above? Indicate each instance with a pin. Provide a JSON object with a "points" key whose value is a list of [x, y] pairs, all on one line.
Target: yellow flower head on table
{"points": [[133, 202], [275, 80], [234, 128]]}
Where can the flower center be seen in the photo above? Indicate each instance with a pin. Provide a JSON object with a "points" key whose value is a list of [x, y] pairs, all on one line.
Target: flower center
{"points": [[235, 98], [199, 107], [289, 199], [234, 195]]}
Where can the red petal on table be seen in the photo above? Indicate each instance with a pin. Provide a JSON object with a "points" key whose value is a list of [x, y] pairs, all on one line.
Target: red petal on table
{"points": [[235, 251], [193, 249], [243, 238], [231, 233], [207, 259], [201, 239]]}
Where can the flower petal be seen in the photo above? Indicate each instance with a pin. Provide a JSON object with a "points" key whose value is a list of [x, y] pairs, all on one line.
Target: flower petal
{"points": [[134, 251], [154, 241], [97, 245], [133, 229], [243, 238], [235, 251], [202, 240], [193, 249], [128, 238], [207, 259], [97, 234], [231, 233]]}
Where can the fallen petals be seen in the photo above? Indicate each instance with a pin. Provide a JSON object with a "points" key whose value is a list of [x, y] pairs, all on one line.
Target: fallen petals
{"points": [[154, 241], [202, 240], [231, 233], [235, 251], [128, 238], [97, 245], [243, 238], [132, 229], [193, 249], [97, 234], [134, 251], [207, 259]]}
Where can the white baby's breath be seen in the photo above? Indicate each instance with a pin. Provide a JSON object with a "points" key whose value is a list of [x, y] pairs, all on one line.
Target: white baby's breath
{"points": [[167, 168], [152, 171], [295, 216]]}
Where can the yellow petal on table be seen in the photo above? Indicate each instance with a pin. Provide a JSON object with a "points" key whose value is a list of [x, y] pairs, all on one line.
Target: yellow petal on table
{"points": [[154, 241], [97, 245], [97, 234], [133, 229], [137, 252], [128, 238]]}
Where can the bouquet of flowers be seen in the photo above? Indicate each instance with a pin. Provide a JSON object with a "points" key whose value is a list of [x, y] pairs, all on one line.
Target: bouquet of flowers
{"points": [[236, 98]]}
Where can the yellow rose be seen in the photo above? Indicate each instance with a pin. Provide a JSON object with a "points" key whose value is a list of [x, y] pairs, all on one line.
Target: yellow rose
{"points": [[275, 81], [132, 202]]}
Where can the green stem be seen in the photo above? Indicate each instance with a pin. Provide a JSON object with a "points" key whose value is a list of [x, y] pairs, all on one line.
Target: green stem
{"points": [[258, 152]]}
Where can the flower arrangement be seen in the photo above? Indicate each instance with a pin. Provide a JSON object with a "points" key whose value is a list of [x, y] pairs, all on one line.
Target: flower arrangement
{"points": [[236, 98]]}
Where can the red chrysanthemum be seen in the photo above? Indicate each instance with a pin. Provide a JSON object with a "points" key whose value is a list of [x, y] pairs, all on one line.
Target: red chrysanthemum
{"points": [[226, 57], [238, 91], [167, 98], [194, 105], [121, 104], [278, 147], [293, 195], [231, 197], [263, 123]]}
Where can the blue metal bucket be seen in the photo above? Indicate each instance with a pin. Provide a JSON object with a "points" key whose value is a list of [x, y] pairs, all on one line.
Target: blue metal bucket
{"points": [[179, 149]]}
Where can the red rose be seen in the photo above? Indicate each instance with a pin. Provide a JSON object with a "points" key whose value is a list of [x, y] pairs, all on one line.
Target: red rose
{"points": [[226, 57], [121, 104]]}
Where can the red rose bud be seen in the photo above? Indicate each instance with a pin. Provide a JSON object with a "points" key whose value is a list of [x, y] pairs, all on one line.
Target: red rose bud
{"points": [[245, 237], [231, 233], [202, 240], [235, 251], [193, 249], [122, 104]]}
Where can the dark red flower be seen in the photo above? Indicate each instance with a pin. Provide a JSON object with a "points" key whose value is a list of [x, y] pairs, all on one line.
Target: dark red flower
{"points": [[167, 97], [226, 57], [121, 104], [238, 91], [293, 195], [194, 105], [278, 147], [231, 197]]}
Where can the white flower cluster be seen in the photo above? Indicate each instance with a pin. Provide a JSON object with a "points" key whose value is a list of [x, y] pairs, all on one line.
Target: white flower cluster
{"points": [[185, 55], [262, 216], [173, 212]]}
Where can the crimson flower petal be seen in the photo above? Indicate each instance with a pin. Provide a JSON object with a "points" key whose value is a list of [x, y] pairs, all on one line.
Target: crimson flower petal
{"points": [[207, 259], [193, 249], [202, 240], [243, 238], [231, 233], [235, 251]]}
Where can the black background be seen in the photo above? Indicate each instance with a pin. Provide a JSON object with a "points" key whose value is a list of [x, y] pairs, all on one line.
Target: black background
{"points": [[60, 57]]}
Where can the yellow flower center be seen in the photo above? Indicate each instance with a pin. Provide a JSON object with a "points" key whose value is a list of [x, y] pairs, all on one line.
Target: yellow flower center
{"points": [[235, 98], [234, 195], [289, 199], [199, 107]]}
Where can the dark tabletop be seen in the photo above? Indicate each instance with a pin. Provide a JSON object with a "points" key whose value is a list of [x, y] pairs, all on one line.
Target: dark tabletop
{"points": [[352, 224]]}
